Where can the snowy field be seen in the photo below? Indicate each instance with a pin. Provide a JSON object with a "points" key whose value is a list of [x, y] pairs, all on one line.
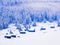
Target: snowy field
{"points": [[50, 36]]}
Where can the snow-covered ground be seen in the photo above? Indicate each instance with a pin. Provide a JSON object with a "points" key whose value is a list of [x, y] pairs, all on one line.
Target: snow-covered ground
{"points": [[39, 37]]}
